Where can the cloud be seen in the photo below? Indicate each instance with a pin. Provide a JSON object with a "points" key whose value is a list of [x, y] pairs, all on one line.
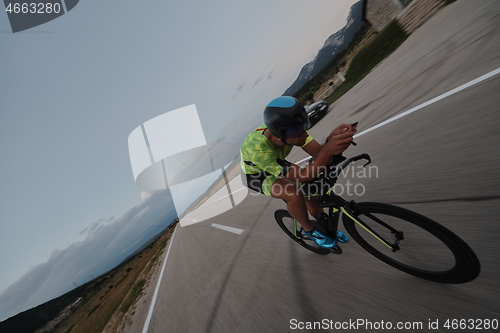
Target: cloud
{"points": [[93, 226], [241, 87], [145, 195], [257, 82], [107, 243], [270, 76]]}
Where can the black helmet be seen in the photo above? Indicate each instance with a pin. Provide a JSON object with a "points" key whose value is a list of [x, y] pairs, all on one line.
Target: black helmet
{"points": [[285, 117]]}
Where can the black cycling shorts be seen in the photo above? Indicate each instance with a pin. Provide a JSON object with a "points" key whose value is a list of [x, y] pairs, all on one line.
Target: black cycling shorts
{"points": [[308, 189]]}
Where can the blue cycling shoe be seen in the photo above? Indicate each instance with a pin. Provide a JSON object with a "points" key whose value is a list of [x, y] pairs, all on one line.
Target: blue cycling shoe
{"points": [[341, 237], [320, 239]]}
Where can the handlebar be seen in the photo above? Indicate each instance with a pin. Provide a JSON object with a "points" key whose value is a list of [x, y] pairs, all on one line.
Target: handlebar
{"points": [[333, 174], [356, 158]]}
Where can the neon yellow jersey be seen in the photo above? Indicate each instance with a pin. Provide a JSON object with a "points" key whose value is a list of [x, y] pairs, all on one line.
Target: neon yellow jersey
{"points": [[259, 155]]}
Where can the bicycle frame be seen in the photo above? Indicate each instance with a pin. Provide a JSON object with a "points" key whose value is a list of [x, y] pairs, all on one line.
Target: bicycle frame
{"points": [[457, 262], [337, 204]]}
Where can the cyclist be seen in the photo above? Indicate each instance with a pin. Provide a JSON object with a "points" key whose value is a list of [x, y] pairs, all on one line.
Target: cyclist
{"points": [[263, 161]]}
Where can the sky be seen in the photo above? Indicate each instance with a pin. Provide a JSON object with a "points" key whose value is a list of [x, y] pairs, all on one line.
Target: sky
{"points": [[73, 89]]}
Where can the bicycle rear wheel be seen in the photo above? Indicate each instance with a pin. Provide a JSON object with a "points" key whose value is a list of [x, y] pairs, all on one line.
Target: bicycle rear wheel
{"points": [[416, 244], [292, 229]]}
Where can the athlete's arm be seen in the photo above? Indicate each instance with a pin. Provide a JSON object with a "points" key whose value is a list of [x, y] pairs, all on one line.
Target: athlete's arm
{"points": [[312, 148], [335, 146]]}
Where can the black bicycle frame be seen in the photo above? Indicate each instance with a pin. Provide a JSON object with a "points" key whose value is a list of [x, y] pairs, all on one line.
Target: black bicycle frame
{"points": [[336, 204]]}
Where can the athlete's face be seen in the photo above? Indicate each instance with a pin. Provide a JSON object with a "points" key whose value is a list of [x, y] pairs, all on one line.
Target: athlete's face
{"points": [[298, 140]]}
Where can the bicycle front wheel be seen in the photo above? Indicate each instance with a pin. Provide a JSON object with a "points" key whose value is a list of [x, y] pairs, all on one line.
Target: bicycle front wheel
{"points": [[291, 227], [411, 242]]}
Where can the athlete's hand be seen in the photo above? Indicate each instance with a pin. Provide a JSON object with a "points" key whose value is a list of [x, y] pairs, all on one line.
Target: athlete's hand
{"points": [[340, 139], [342, 129]]}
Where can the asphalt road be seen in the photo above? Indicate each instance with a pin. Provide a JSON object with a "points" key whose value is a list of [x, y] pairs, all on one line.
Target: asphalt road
{"points": [[442, 161]]}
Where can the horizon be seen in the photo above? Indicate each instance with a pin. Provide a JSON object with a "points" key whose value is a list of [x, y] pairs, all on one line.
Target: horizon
{"points": [[72, 96]]}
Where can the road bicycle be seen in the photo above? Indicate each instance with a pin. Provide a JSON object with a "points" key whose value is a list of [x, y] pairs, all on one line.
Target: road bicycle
{"points": [[406, 240]]}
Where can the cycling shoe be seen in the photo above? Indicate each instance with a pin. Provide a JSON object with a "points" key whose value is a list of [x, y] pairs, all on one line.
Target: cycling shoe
{"points": [[321, 239]]}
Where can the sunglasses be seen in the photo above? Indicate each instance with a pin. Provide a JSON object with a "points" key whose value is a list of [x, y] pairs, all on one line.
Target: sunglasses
{"points": [[294, 131]]}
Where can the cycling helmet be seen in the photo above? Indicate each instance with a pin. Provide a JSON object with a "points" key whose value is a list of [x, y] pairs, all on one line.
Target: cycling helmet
{"points": [[285, 117]]}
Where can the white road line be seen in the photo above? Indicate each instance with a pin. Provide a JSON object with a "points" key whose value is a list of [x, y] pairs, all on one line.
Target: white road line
{"points": [[230, 229], [432, 101], [240, 231], [211, 202], [151, 307]]}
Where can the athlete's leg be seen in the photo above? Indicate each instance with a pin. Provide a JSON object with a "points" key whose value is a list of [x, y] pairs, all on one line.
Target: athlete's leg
{"points": [[295, 202], [296, 205], [314, 210], [312, 206]]}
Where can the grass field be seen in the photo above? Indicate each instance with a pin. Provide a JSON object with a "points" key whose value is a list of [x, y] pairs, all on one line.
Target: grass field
{"points": [[111, 295], [385, 43]]}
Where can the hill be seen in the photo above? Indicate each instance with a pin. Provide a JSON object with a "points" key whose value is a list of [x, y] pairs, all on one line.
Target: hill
{"points": [[334, 44], [112, 293]]}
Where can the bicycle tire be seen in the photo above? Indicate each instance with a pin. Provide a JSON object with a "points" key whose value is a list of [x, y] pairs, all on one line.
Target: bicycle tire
{"points": [[453, 261], [285, 221]]}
